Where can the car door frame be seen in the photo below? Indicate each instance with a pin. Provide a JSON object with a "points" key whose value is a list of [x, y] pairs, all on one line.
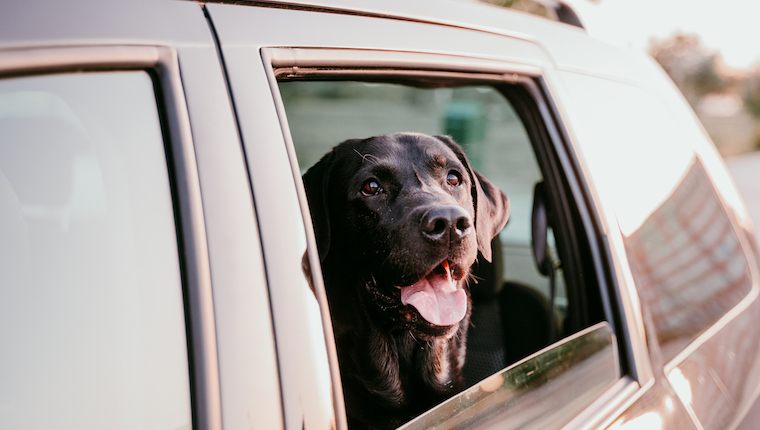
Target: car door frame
{"points": [[243, 51], [368, 64]]}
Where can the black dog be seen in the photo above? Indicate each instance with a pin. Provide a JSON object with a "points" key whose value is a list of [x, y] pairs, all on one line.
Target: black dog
{"points": [[399, 220]]}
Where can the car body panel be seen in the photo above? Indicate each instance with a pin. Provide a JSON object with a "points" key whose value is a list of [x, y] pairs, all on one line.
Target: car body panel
{"points": [[656, 407], [560, 41], [245, 338], [634, 207], [302, 353], [117, 23]]}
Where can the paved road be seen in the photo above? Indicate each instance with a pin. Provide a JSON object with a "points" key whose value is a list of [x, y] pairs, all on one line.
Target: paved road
{"points": [[746, 171]]}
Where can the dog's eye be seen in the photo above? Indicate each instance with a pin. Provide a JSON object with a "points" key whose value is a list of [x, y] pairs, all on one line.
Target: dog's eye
{"points": [[453, 179], [370, 188]]}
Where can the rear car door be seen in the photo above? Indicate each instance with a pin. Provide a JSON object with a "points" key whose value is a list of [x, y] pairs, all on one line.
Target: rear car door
{"points": [[300, 88]]}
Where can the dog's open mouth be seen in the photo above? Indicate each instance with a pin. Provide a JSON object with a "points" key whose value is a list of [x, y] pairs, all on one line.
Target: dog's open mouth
{"points": [[436, 296]]}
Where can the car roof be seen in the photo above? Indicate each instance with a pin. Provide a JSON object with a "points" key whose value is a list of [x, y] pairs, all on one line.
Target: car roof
{"points": [[570, 48]]}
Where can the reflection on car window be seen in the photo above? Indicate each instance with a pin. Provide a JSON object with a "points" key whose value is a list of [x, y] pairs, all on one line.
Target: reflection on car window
{"points": [[688, 262], [91, 313]]}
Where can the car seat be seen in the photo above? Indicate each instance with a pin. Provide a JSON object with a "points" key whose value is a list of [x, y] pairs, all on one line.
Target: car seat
{"points": [[509, 320], [485, 340]]}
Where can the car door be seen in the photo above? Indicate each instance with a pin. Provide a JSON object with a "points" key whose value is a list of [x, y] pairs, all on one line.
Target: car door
{"points": [[132, 286], [303, 80]]}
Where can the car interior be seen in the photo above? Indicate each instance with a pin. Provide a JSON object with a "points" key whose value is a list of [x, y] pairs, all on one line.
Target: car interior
{"points": [[539, 288]]}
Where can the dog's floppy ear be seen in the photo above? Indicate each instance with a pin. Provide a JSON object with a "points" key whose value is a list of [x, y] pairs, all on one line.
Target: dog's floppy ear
{"points": [[491, 204], [316, 181], [491, 212]]}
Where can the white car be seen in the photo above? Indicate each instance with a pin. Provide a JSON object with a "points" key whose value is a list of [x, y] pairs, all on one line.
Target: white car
{"points": [[153, 218]]}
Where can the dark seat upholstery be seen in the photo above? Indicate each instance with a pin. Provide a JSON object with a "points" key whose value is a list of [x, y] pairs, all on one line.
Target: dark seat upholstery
{"points": [[525, 320], [485, 344], [509, 320]]}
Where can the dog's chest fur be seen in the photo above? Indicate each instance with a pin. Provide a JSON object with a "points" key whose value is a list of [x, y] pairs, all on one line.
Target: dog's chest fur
{"points": [[391, 376]]}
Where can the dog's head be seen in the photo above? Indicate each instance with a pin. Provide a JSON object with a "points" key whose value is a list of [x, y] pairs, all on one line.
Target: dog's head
{"points": [[407, 215]]}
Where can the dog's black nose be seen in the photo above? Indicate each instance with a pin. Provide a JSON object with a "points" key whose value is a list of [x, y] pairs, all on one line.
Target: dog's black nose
{"points": [[447, 223]]}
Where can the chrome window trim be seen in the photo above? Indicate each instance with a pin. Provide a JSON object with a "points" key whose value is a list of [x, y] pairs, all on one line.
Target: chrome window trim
{"points": [[26, 61], [295, 63], [294, 60], [162, 62]]}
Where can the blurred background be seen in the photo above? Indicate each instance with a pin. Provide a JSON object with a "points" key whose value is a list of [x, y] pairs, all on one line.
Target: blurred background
{"points": [[711, 50]]}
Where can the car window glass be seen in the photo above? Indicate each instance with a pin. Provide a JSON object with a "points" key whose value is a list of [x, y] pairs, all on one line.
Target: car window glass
{"points": [[512, 310], [571, 373], [688, 262], [91, 311]]}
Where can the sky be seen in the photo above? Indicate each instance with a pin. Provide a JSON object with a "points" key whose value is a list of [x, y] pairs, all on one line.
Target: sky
{"points": [[730, 27]]}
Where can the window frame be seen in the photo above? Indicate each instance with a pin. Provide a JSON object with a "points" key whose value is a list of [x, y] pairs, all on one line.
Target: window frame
{"points": [[161, 63], [524, 97], [541, 118]]}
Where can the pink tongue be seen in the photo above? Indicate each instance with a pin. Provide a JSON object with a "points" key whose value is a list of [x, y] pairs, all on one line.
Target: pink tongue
{"points": [[437, 299]]}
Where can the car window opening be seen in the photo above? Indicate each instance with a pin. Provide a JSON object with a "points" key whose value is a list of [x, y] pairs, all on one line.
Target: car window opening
{"points": [[522, 300]]}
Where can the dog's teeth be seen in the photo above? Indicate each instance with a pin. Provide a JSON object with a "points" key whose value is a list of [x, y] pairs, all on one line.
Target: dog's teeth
{"points": [[449, 270]]}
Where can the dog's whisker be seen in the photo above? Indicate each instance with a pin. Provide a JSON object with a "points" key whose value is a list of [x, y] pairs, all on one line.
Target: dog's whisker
{"points": [[414, 337], [474, 278], [365, 157]]}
